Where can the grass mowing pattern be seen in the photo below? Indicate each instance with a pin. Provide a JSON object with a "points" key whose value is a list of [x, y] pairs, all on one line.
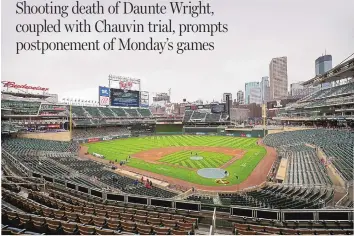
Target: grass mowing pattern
{"points": [[120, 149], [210, 159]]}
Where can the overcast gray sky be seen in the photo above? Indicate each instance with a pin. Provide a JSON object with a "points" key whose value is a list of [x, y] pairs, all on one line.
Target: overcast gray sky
{"points": [[258, 31]]}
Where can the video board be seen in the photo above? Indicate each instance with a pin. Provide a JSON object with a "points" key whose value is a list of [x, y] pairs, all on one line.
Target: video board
{"points": [[124, 98]]}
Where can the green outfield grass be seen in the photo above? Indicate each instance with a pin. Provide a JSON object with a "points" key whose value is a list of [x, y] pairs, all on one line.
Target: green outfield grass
{"points": [[120, 149], [183, 158]]}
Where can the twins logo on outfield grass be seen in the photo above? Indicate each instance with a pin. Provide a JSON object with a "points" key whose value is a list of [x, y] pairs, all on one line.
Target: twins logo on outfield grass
{"points": [[222, 181]]}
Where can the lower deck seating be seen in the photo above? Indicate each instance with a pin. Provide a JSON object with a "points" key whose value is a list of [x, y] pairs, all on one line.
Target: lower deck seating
{"points": [[338, 145], [202, 199], [281, 197], [46, 214], [316, 229]]}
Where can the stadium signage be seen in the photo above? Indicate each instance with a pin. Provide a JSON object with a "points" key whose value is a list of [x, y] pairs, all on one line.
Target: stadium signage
{"points": [[104, 91], [126, 85], [91, 140], [104, 94], [10, 84], [107, 138]]}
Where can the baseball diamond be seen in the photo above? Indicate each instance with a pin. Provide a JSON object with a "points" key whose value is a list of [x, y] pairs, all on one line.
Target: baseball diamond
{"points": [[171, 155]]}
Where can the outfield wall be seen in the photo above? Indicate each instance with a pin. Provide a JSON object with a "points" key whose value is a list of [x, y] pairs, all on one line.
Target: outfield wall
{"points": [[249, 133], [189, 130], [168, 129]]}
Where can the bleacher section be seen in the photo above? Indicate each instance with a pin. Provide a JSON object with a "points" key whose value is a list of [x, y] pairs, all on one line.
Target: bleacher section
{"points": [[94, 112], [21, 107], [78, 111], [198, 116], [132, 112], [119, 112], [187, 116], [305, 168], [212, 117], [330, 92], [313, 105], [337, 145], [56, 160], [9, 128], [113, 112], [144, 112], [24, 146], [107, 112]]}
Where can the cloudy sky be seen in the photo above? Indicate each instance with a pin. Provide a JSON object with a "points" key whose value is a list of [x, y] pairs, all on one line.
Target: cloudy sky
{"points": [[259, 30]]}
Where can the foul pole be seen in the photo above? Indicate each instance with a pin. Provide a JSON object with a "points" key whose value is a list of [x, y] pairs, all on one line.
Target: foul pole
{"points": [[264, 115]]}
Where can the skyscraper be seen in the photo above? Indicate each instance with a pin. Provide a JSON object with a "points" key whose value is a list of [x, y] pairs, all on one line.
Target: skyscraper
{"points": [[322, 65], [224, 97], [278, 73], [248, 87], [255, 95], [265, 89], [240, 97]]}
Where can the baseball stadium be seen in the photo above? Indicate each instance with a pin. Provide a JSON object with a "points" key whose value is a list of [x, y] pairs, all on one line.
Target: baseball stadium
{"points": [[123, 165]]}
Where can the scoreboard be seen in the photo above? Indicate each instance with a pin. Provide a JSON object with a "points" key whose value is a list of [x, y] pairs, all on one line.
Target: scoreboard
{"points": [[124, 98]]}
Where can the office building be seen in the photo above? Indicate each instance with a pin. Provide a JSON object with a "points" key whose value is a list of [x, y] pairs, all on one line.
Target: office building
{"points": [[265, 89], [240, 97], [296, 89], [224, 97], [248, 87], [278, 74], [255, 95]]}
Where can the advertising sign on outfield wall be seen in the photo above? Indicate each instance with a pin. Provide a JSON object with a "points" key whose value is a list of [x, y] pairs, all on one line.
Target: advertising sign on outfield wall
{"points": [[91, 140]]}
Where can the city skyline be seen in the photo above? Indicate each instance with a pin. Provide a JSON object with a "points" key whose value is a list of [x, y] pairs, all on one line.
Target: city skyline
{"points": [[259, 83]]}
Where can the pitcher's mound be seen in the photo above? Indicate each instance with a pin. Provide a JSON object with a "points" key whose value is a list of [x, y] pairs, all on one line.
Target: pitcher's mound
{"points": [[196, 158], [212, 173]]}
